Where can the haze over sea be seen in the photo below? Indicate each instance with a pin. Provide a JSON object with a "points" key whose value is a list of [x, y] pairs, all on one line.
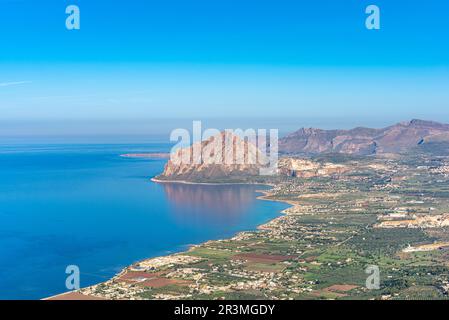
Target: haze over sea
{"points": [[83, 204]]}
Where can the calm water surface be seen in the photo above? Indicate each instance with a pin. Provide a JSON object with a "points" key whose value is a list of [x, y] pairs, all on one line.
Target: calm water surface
{"points": [[85, 205]]}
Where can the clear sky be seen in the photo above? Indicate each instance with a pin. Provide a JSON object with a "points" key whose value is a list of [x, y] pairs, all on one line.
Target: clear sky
{"points": [[200, 59]]}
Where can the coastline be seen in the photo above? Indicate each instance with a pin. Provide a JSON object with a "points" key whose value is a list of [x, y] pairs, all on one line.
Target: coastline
{"points": [[265, 194], [146, 155]]}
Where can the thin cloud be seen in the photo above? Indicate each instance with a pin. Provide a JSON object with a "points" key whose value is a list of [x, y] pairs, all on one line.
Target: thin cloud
{"points": [[17, 83]]}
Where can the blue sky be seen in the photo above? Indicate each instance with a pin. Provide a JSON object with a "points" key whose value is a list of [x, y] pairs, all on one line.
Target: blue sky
{"points": [[299, 60]]}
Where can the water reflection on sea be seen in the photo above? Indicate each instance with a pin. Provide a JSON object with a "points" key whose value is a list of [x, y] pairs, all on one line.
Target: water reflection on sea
{"points": [[209, 204]]}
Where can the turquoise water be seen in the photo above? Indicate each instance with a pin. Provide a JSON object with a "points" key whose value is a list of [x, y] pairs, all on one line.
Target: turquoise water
{"points": [[85, 205]]}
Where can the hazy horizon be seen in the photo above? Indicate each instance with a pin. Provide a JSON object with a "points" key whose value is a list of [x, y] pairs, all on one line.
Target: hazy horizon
{"points": [[160, 129]]}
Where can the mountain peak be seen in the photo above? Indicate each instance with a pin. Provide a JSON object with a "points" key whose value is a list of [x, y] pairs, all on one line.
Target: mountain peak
{"points": [[427, 123]]}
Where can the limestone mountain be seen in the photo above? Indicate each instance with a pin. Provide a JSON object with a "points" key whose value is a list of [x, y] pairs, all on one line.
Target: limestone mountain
{"points": [[224, 155]]}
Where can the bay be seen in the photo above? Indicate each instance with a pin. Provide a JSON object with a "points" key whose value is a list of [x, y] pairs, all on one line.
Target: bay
{"points": [[84, 205]]}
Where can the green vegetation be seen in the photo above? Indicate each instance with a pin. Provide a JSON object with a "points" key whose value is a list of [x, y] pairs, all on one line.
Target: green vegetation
{"points": [[337, 226]]}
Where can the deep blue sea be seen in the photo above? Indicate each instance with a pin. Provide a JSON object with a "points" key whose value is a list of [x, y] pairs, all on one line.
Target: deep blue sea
{"points": [[84, 205]]}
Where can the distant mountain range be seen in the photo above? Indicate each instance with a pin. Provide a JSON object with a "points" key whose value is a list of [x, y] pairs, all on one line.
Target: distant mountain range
{"points": [[364, 141], [209, 164]]}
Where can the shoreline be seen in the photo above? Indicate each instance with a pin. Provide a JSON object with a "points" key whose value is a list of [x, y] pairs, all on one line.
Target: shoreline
{"points": [[263, 197], [210, 183], [266, 194]]}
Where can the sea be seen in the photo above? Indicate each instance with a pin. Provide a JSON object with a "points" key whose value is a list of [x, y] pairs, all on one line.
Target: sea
{"points": [[82, 204]]}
